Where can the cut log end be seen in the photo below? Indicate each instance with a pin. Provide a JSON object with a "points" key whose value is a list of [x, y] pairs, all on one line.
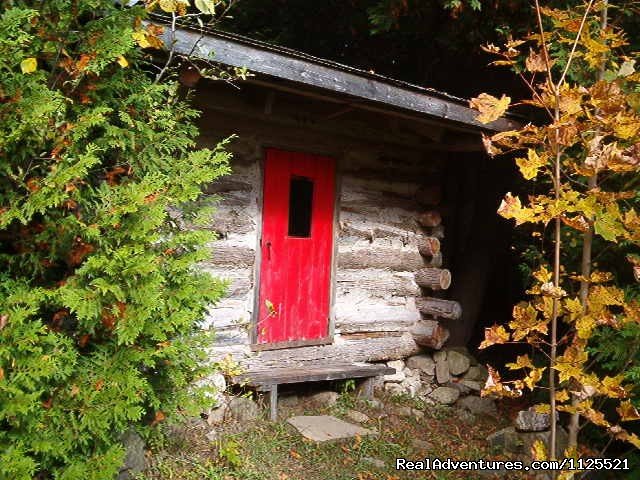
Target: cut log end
{"points": [[430, 218], [428, 335], [439, 308], [429, 246], [433, 278]]}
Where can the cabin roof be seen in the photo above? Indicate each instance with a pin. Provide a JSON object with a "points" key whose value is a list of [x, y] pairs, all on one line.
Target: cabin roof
{"points": [[276, 64]]}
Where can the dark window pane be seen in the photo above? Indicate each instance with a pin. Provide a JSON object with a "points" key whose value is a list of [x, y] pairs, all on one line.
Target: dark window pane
{"points": [[300, 196]]}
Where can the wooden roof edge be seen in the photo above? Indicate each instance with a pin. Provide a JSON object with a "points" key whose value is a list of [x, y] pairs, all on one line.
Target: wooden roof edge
{"points": [[283, 63]]}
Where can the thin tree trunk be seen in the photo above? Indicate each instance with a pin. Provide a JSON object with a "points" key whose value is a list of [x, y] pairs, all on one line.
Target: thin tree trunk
{"points": [[585, 266]]}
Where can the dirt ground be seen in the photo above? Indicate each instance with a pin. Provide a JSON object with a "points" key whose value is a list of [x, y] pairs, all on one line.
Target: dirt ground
{"points": [[266, 450]]}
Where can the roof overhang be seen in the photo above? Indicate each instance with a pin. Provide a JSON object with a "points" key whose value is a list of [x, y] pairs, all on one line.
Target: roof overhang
{"points": [[305, 70]]}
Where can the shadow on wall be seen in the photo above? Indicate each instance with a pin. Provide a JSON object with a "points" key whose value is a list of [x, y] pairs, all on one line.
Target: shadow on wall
{"points": [[486, 281]]}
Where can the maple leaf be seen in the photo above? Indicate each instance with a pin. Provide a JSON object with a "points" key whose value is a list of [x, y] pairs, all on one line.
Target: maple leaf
{"points": [[494, 335], [490, 107], [511, 207], [628, 411], [530, 166], [522, 361]]}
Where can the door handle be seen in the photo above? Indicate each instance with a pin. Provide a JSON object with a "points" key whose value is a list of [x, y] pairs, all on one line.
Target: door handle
{"points": [[268, 250]]}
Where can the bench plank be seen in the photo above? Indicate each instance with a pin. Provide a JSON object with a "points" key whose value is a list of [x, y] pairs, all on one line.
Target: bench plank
{"points": [[277, 376]]}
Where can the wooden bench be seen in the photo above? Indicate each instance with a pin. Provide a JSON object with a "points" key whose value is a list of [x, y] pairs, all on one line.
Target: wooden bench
{"points": [[268, 380]]}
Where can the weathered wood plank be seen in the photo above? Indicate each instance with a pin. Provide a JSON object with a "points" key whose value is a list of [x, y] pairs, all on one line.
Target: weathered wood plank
{"points": [[376, 282], [388, 347], [304, 69], [279, 376], [382, 257], [232, 255]]}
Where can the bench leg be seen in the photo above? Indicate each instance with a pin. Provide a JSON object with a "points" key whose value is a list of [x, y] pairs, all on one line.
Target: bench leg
{"points": [[365, 389], [273, 402]]}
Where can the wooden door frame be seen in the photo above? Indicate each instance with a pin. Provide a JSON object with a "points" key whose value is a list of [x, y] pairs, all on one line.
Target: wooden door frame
{"points": [[253, 333]]}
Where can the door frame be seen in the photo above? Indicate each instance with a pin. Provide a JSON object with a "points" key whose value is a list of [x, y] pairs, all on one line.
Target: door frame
{"points": [[253, 333]]}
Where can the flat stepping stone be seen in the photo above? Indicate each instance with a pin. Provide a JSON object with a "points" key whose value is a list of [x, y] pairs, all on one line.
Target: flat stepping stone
{"points": [[324, 428]]}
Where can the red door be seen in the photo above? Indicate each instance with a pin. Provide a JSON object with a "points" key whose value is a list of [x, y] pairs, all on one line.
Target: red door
{"points": [[296, 244]]}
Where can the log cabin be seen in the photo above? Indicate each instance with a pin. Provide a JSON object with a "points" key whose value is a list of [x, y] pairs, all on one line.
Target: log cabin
{"points": [[347, 218]]}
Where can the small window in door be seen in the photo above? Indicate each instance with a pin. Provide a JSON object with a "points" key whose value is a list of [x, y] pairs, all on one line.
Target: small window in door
{"points": [[300, 197]]}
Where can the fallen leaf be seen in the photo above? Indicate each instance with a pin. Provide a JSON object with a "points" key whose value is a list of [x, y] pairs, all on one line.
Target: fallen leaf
{"points": [[490, 107], [29, 65]]}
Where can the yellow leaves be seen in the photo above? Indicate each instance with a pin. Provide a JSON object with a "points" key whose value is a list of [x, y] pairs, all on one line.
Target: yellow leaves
{"points": [[525, 321], [29, 65], [495, 387], [535, 373], [562, 396], [550, 290], [511, 207], [543, 274], [530, 166], [628, 412], [627, 68], [584, 326], [174, 6], [490, 107], [542, 408], [494, 335], [534, 376], [539, 450], [149, 38], [208, 7], [122, 61], [522, 361]]}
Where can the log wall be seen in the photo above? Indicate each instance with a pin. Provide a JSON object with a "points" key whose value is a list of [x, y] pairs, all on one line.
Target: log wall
{"points": [[380, 234]]}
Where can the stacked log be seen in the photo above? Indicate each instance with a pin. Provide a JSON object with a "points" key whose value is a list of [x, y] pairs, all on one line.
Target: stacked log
{"points": [[429, 332], [433, 278]]}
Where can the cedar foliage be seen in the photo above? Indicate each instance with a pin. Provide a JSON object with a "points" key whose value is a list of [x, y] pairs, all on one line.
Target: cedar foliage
{"points": [[585, 161], [100, 294]]}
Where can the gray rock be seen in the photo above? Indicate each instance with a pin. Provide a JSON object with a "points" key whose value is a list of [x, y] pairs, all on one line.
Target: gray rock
{"points": [[323, 428], [440, 355], [506, 439], [357, 417], [465, 415], [393, 388], [325, 398], [216, 416], [512, 441], [445, 395], [472, 385], [135, 461], [424, 363], [477, 373], [288, 401], [461, 387], [458, 362], [531, 421], [243, 409], [478, 405], [374, 461], [397, 377], [442, 371], [212, 435], [402, 411]]}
